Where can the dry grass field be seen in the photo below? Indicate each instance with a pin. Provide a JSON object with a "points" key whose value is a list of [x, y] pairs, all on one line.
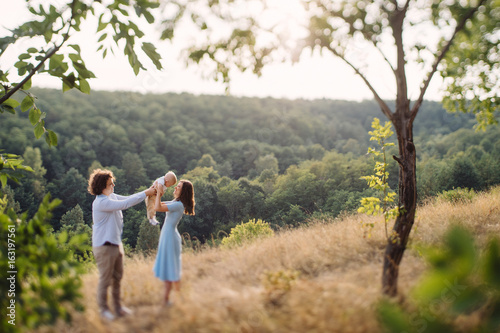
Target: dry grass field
{"points": [[337, 288]]}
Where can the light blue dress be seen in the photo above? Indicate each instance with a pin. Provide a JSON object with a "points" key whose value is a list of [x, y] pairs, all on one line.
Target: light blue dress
{"points": [[168, 262]]}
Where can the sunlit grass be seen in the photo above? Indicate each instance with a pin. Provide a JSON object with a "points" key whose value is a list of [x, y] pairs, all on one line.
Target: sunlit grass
{"points": [[336, 290]]}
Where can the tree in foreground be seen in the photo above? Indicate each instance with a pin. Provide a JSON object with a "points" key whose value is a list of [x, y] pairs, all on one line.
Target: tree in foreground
{"points": [[44, 274], [455, 39]]}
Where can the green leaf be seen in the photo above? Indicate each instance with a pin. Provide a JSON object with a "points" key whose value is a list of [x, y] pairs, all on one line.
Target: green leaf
{"points": [[52, 137], [75, 57], [10, 155], [149, 17], [34, 116], [75, 47], [101, 25], [3, 179], [7, 108], [32, 50], [491, 264], [83, 71], [24, 56], [103, 37], [27, 103], [150, 51], [63, 237], [461, 249], [20, 64], [57, 60], [27, 85], [39, 129], [66, 87], [393, 318], [69, 82], [25, 167], [468, 300], [48, 35], [11, 102], [136, 67], [167, 34], [47, 139], [84, 86]]}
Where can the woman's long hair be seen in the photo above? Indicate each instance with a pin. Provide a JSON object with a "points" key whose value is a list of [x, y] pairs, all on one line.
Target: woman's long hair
{"points": [[187, 197]]}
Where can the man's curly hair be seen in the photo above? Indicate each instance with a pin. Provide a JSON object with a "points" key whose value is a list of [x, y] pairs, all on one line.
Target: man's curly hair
{"points": [[98, 181]]}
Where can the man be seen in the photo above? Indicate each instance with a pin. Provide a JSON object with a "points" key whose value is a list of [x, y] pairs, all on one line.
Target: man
{"points": [[106, 237]]}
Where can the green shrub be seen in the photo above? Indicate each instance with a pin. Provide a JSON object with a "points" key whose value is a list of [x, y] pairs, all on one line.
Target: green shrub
{"points": [[247, 232], [147, 241], [457, 195]]}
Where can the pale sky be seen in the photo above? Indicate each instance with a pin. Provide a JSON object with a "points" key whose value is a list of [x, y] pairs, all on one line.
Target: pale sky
{"points": [[314, 77]]}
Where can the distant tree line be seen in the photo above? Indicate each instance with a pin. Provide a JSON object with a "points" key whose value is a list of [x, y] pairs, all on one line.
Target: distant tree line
{"points": [[282, 161]]}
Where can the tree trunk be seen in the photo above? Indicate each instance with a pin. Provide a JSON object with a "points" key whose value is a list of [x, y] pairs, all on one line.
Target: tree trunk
{"points": [[398, 240]]}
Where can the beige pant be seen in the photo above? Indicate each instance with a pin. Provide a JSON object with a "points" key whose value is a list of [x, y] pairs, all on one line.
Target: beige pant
{"points": [[150, 206], [109, 261]]}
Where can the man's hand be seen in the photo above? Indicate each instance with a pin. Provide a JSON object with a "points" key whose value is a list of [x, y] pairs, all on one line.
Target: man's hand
{"points": [[151, 191]]}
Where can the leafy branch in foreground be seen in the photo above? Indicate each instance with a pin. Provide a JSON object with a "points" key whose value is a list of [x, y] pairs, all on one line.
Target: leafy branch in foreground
{"points": [[44, 276], [9, 166], [463, 281], [53, 25]]}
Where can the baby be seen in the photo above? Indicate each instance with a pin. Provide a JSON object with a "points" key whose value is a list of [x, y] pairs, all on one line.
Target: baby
{"points": [[168, 180]]}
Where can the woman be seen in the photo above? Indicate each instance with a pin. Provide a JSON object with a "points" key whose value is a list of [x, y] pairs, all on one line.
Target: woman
{"points": [[168, 259]]}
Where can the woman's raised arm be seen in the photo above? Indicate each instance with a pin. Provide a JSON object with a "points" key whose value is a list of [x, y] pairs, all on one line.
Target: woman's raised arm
{"points": [[160, 206]]}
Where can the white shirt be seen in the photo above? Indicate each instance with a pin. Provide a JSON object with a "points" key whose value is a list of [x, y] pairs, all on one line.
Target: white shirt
{"points": [[161, 180], [108, 218]]}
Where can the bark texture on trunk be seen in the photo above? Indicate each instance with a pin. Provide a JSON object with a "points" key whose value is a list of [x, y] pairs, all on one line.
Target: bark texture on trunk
{"points": [[398, 240], [402, 119]]}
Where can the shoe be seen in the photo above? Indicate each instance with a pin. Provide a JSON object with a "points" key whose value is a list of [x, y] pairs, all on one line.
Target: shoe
{"points": [[167, 304], [124, 311], [153, 221], [106, 314]]}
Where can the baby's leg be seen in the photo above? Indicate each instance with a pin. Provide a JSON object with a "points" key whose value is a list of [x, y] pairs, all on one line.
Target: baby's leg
{"points": [[150, 206]]}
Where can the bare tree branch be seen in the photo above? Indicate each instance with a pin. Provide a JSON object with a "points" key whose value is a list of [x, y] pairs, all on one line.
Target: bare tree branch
{"points": [[425, 85], [397, 159], [397, 30], [383, 106], [384, 56]]}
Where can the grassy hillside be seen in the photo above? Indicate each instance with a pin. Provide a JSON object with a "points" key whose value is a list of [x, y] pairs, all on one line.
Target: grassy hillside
{"points": [[337, 289]]}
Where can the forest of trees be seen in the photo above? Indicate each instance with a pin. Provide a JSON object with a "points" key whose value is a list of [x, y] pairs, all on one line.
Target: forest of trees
{"points": [[279, 160]]}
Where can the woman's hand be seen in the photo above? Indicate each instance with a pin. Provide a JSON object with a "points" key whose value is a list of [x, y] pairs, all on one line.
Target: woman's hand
{"points": [[159, 190]]}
